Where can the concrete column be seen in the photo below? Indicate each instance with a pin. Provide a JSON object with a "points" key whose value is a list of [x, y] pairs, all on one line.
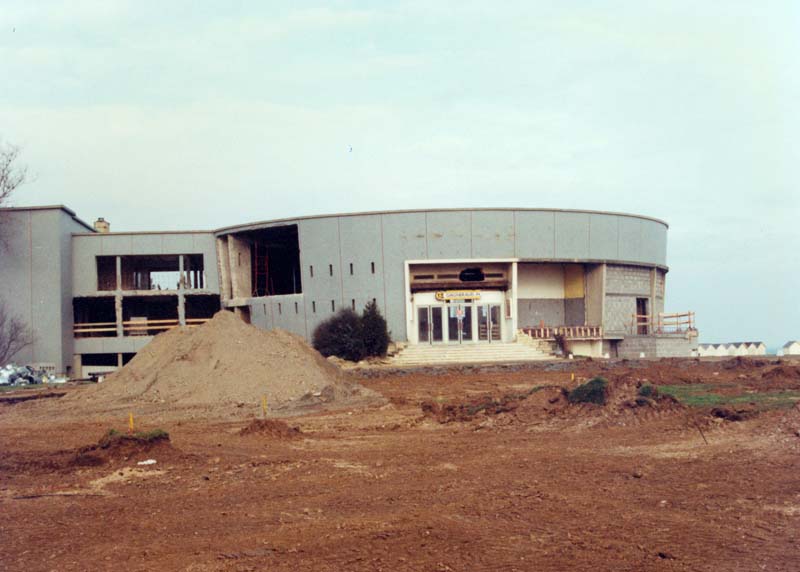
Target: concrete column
{"points": [[181, 296], [514, 313], [411, 330], [181, 309], [119, 316], [603, 297], [77, 366], [652, 304], [223, 264], [119, 360], [119, 273]]}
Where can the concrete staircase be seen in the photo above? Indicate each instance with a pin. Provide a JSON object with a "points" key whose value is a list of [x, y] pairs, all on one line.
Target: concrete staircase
{"points": [[443, 354]]}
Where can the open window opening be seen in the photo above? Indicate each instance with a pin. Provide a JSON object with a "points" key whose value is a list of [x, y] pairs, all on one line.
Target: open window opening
{"points": [[106, 273], [194, 275], [160, 272], [149, 315], [275, 261], [200, 308], [94, 317]]}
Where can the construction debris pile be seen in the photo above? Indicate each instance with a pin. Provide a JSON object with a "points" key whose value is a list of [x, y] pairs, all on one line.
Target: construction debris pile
{"points": [[226, 362], [21, 375]]}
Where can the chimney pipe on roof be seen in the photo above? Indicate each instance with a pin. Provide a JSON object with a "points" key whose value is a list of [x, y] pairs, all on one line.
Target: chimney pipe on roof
{"points": [[101, 225]]}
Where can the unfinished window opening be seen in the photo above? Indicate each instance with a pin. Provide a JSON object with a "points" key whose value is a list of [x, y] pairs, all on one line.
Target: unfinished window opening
{"points": [[313, 306], [330, 269], [374, 301], [311, 271], [471, 275], [280, 311], [194, 275], [351, 269], [296, 309], [353, 303], [94, 317], [275, 260], [110, 360], [106, 272], [161, 272], [200, 308], [126, 357], [333, 306], [372, 267], [148, 315]]}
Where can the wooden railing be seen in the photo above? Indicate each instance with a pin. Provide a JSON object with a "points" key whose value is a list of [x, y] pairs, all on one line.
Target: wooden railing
{"points": [[662, 324], [130, 327], [569, 332]]}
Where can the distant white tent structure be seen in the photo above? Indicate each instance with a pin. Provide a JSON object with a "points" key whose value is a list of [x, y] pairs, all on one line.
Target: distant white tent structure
{"points": [[791, 348], [732, 349]]}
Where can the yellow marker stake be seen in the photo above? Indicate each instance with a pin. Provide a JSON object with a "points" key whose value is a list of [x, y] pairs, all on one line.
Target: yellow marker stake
{"points": [[130, 422], [264, 405]]}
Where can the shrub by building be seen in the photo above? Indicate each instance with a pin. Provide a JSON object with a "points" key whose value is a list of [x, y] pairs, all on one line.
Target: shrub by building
{"points": [[352, 337]]}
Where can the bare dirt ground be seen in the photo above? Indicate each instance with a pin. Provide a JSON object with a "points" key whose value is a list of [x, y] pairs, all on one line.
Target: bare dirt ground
{"points": [[533, 483]]}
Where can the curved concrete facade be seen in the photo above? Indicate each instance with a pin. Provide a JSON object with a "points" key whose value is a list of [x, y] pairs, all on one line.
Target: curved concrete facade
{"points": [[349, 259]]}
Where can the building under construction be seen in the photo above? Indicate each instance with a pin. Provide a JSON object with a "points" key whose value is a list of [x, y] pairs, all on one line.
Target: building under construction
{"points": [[593, 281]]}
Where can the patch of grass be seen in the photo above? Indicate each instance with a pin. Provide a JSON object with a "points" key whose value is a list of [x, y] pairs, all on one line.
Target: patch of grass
{"points": [[703, 395], [152, 436], [593, 391]]}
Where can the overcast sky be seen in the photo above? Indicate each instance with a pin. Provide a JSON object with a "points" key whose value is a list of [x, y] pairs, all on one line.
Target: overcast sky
{"points": [[196, 115]]}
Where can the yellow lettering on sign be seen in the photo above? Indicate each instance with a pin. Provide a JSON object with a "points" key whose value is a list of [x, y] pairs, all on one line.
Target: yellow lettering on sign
{"points": [[444, 295]]}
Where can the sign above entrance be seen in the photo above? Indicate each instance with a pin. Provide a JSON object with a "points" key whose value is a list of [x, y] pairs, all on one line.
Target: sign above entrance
{"points": [[446, 295]]}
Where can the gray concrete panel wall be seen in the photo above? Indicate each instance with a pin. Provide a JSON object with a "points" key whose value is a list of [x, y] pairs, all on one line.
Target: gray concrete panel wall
{"points": [[404, 239], [574, 312], [320, 247], [285, 312], [449, 234], [572, 235], [603, 237], [535, 234], [362, 247], [35, 279], [493, 234], [532, 312]]}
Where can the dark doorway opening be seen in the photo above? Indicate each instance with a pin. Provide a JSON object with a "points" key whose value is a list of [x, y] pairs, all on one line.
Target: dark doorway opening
{"points": [[642, 317], [275, 258]]}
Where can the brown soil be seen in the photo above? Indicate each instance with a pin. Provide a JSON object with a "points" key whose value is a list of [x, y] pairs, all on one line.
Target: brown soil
{"points": [[544, 486], [272, 428], [225, 363]]}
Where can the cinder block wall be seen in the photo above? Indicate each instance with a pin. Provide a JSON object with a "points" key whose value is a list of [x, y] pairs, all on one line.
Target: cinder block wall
{"points": [[623, 285]]}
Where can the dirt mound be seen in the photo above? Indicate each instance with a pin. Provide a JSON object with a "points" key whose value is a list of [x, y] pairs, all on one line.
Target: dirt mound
{"points": [[224, 362], [622, 400], [272, 428], [112, 448], [789, 372], [115, 446]]}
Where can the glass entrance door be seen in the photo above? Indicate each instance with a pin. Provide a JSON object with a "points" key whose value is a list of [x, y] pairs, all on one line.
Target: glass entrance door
{"points": [[459, 323], [429, 324], [489, 323]]}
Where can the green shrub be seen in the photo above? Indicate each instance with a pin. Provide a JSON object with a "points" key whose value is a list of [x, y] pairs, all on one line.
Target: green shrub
{"points": [[593, 391], [374, 331], [341, 336], [648, 391]]}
